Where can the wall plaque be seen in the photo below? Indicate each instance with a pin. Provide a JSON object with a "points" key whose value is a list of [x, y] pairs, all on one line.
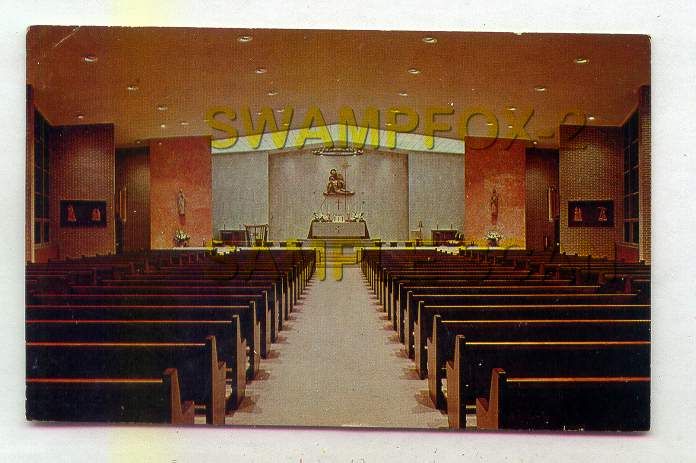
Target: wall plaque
{"points": [[79, 213], [590, 213]]}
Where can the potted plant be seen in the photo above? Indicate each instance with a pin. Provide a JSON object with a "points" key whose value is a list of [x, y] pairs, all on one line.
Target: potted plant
{"points": [[181, 238], [493, 238]]}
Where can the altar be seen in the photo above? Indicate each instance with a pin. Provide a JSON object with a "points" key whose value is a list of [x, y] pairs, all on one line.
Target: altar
{"points": [[333, 230]]}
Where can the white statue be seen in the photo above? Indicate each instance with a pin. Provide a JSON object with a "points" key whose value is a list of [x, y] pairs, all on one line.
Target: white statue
{"points": [[181, 203]]}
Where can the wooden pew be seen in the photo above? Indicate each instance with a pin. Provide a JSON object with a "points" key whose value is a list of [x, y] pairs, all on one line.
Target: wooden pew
{"points": [[609, 403], [256, 302], [469, 373], [440, 347], [141, 295], [422, 327], [285, 288], [250, 327], [408, 289], [232, 349], [426, 314], [121, 400], [402, 286], [277, 298], [201, 375]]}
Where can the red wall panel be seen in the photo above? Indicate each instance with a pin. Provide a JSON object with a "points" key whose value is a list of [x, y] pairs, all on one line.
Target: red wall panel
{"points": [[500, 165], [180, 163]]}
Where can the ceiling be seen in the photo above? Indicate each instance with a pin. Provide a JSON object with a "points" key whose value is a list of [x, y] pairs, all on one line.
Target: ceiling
{"points": [[189, 71]]}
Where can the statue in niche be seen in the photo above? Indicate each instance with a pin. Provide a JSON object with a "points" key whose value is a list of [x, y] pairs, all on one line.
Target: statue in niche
{"points": [[337, 185], [493, 203], [577, 214], [181, 203]]}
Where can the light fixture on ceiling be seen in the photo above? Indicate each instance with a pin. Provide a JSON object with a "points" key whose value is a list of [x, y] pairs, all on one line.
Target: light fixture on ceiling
{"points": [[89, 58], [581, 60], [509, 126], [414, 71], [261, 70], [403, 94], [183, 123], [138, 141], [280, 110], [80, 116], [590, 118], [429, 39], [244, 38], [162, 107], [133, 87], [489, 124], [511, 108], [534, 142], [540, 88], [163, 126], [272, 93]]}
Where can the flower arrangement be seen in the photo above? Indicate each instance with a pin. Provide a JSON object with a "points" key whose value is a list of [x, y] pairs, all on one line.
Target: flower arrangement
{"points": [[181, 237], [358, 216], [321, 217], [494, 236]]}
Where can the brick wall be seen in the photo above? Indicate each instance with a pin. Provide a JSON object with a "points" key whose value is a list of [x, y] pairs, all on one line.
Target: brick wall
{"points": [[590, 168], [644, 173], [500, 165], [542, 173], [133, 174], [82, 168], [180, 163]]}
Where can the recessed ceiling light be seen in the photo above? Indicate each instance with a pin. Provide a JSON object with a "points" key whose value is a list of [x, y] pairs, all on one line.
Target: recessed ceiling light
{"points": [[512, 108], [388, 124], [540, 88], [403, 94], [414, 71], [280, 110], [258, 113], [590, 118], [133, 87], [244, 38], [138, 141], [581, 60], [489, 124], [272, 93], [80, 116], [163, 126], [429, 39], [89, 58], [261, 70], [534, 142], [162, 107], [509, 126], [183, 123]]}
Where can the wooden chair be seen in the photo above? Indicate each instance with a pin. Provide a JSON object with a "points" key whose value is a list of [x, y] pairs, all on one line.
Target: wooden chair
{"points": [[256, 235]]}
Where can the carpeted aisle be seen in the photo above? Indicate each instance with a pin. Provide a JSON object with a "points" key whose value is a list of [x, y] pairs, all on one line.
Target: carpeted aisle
{"points": [[338, 363]]}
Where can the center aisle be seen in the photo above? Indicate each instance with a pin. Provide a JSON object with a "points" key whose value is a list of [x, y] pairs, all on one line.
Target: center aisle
{"points": [[338, 363]]}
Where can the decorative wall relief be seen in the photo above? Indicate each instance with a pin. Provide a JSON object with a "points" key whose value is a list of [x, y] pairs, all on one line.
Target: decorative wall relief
{"points": [[591, 214], [79, 213]]}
